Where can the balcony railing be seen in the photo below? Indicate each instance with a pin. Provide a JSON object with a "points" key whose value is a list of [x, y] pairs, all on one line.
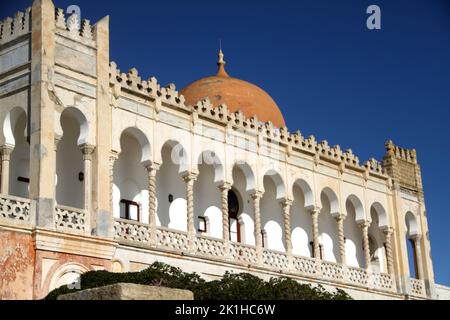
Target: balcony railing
{"points": [[242, 254], [417, 287], [332, 271], [70, 219], [172, 240], [14, 208]]}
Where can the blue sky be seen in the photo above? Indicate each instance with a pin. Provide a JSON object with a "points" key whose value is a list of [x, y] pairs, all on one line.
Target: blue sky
{"points": [[329, 74]]}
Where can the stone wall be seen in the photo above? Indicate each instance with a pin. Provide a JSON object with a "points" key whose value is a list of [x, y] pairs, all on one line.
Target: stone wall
{"points": [[17, 260]]}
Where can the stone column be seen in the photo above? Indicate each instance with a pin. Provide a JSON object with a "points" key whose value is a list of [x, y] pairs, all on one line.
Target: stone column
{"points": [[315, 231], [87, 151], [389, 257], [286, 204], [104, 128], [5, 152], [152, 170], [189, 179], [112, 160], [256, 197], [42, 113], [224, 189], [365, 230], [340, 222], [418, 254]]}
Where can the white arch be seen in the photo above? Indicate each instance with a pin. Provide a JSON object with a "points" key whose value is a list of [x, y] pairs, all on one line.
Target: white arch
{"points": [[412, 227], [178, 155], [360, 216], [9, 125], [307, 192], [211, 158], [278, 182], [248, 174], [383, 221], [142, 139], [80, 119], [60, 278], [333, 199]]}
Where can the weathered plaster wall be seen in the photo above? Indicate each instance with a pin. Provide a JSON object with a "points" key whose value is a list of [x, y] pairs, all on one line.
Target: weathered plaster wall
{"points": [[17, 260]]}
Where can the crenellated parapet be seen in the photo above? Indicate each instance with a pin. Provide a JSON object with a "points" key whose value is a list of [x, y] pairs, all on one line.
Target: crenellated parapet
{"points": [[401, 164], [73, 28], [373, 165], [408, 155], [205, 109], [132, 83], [12, 28]]}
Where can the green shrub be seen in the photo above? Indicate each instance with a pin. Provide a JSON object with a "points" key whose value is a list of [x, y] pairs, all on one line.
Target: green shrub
{"points": [[241, 286]]}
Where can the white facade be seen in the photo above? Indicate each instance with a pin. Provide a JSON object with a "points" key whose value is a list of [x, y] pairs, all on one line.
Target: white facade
{"points": [[131, 175]]}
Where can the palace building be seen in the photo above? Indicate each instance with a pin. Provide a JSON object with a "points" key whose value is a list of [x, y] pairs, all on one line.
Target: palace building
{"points": [[105, 170]]}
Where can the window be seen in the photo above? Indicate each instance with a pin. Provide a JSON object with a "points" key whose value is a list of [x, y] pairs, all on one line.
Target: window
{"points": [[264, 238], [129, 210], [202, 225], [233, 211], [321, 251]]}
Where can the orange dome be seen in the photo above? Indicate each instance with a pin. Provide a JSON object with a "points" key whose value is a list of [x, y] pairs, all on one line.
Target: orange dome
{"points": [[236, 94]]}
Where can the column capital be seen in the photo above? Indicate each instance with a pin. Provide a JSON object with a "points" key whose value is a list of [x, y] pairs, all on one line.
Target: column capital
{"points": [[416, 237], [5, 151], [388, 231], [153, 167], [364, 224], [190, 176], [314, 210], [225, 186], [286, 202], [257, 194], [113, 156], [340, 217], [87, 150]]}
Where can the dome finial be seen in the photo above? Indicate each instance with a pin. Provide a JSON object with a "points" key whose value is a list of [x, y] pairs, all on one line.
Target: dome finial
{"points": [[221, 63]]}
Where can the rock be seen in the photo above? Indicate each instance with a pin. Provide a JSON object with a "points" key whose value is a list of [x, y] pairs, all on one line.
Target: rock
{"points": [[129, 291]]}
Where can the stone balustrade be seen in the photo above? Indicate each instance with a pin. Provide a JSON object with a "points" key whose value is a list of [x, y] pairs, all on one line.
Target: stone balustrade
{"points": [[331, 271], [382, 281], [14, 208], [172, 239], [139, 234], [71, 220], [417, 287], [131, 231], [243, 253]]}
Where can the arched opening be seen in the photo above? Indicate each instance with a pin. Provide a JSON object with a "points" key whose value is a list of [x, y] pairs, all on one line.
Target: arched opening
{"points": [[130, 187], [207, 197], [412, 235], [18, 184], [272, 213], [301, 222], [233, 216], [171, 189], [69, 161], [354, 253], [243, 185], [328, 239], [377, 238]]}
